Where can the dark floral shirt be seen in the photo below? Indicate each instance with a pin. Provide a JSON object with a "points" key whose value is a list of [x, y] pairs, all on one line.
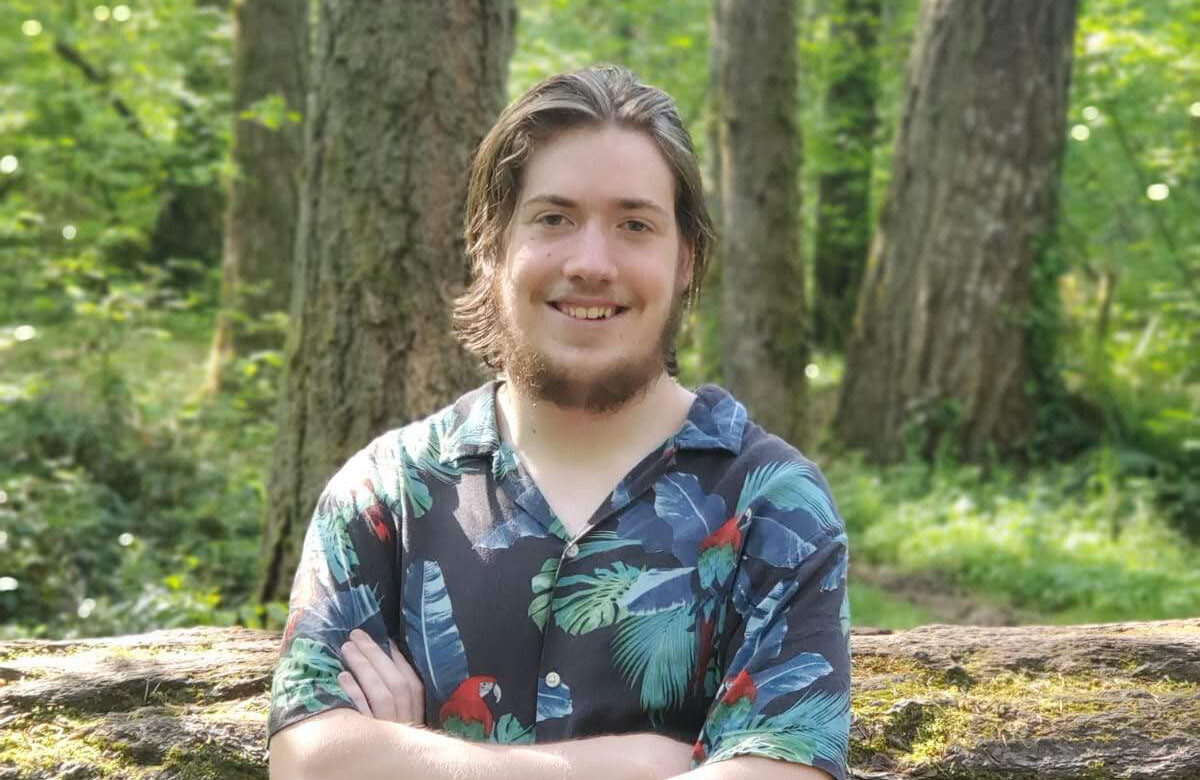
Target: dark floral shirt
{"points": [[706, 599]]}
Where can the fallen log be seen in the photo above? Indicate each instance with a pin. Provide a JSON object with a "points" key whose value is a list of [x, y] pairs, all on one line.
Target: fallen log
{"points": [[1055, 703]]}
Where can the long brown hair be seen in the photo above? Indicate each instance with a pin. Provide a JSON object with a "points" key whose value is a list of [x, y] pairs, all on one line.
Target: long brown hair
{"points": [[599, 95]]}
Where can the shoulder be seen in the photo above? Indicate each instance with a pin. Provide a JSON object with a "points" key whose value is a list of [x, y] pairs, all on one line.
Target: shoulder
{"points": [[781, 484], [379, 468]]}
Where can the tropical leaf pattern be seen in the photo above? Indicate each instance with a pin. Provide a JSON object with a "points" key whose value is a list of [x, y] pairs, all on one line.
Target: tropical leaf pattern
{"points": [[598, 603], [709, 587], [433, 637], [553, 701], [657, 653]]}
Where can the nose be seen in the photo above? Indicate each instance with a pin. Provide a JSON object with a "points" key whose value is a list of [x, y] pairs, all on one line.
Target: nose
{"points": [[591, 258]]}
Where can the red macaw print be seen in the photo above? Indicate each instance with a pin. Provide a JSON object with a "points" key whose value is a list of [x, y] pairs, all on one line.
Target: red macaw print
{"points": [[467, 705], [377, 514], [742, 687]]}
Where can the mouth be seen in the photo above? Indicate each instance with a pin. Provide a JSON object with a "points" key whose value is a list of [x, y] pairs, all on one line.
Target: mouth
{"points": [[589, 313]]}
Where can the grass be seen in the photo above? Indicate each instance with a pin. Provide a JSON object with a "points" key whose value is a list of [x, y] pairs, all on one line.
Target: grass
{"points": [[873, 607], [1069, 543]]}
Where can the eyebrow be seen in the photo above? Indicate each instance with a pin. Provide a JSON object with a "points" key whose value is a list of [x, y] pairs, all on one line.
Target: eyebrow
{"points": [[628, 204]]}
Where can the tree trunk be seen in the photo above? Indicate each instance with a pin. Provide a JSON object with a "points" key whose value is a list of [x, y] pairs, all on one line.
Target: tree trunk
{"points": [[404, 93], [940, 343], [1031, 703], [844, 188], [270, 61], [764, 340]]}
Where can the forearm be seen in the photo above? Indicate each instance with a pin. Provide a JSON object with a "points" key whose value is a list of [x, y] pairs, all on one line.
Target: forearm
{"points": [[344, 743]]}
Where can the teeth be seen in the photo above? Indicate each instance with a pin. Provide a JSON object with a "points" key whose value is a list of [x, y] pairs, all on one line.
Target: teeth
{"points": [[589, 313]]}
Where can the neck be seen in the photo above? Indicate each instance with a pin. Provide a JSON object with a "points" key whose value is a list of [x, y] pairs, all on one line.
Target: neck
{"points": [[539, 428]]}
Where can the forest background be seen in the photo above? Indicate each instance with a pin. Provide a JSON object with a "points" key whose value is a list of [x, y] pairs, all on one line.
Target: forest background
{"points": [[139, 395]]}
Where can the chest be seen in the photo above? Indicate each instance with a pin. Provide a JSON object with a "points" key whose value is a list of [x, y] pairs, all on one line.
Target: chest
{"points": [[495, 590], [574, 494]]}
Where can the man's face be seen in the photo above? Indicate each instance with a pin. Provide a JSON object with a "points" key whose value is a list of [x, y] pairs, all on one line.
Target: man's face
{"points": [[591, 285]]}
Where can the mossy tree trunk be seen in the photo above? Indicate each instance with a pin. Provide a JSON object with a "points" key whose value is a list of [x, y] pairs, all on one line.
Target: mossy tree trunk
{"points": [[270, 79], [1031, 703], [940, 342], [843, 229], [403, 94], [764, 338]]}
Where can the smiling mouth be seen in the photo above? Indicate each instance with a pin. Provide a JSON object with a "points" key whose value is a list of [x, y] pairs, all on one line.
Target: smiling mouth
{"points": [[589, 312]]}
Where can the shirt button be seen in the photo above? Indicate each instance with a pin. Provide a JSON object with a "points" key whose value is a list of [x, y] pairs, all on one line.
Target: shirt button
{"points": [[552, 680], [572, 550]]}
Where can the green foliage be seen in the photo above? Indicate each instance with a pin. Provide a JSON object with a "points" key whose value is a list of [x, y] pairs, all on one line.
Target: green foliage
{"points": [[664, 43], [1074, 542], [1130, 336], [125, 508]]}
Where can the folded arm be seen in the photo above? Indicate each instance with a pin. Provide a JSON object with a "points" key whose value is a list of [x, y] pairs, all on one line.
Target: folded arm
{"points": [[345, 743]]}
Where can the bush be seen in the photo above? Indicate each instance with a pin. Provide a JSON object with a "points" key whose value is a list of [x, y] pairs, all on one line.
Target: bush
{"points": [[124, 507], [1080, 541]]}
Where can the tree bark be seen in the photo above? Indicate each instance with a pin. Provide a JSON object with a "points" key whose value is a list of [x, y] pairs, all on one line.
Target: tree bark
{"points": [[1044, 703], [404, 93], [940, 344], [270, 59], [764, 339], [844, 189]]}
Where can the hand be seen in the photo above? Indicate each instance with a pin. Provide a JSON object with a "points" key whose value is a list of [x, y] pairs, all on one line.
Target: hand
{"points": [[381, 687]]}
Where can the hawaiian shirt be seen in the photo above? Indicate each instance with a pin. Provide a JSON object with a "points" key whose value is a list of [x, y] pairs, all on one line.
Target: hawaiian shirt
{"points": [[705, 600]]}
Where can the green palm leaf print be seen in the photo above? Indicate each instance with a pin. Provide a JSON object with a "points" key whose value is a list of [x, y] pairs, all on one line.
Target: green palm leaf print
{"points": [[659, 650]]}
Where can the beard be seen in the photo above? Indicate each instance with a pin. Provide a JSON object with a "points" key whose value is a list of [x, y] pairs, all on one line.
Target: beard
{"points": [[541, 379]]}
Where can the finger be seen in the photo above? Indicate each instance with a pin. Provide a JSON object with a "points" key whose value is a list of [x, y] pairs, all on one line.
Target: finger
{"points": [[379, 696], [385, 667], [415, 687], [347, 684]]}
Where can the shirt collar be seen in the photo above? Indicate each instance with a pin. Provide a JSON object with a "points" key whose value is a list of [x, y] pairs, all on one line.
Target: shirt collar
{"points": [[716, 420]]}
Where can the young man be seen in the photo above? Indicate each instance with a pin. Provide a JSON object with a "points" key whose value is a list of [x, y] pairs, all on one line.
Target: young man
{"points": [[581, 568]]}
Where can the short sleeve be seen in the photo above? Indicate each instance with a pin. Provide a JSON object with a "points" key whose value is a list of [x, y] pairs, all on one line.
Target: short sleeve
{"points": [[785, 676], [345, 580]]}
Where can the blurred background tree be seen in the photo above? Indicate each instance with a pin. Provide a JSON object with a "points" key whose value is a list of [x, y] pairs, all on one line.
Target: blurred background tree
{"points": [[132, 499]]}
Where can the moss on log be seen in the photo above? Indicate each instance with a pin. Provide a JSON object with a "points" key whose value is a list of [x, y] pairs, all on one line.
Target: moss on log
{"points": [[1087, 702]]}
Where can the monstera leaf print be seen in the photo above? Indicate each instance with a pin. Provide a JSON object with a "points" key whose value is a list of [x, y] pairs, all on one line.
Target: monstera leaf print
{"points": [[509, 731], [307, 669], [433, 638], [597, 603], [543, 583]]}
